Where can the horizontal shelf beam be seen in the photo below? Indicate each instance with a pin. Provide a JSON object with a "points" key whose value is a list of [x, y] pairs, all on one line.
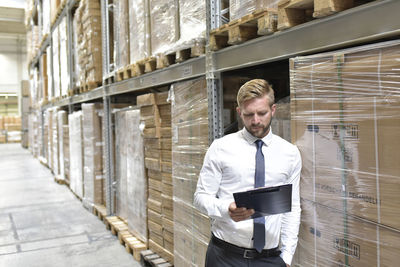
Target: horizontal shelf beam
{"points": [[186, 70], [370, 22]]}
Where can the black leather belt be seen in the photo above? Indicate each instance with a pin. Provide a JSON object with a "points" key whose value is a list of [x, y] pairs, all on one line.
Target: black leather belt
{"points": [[247, 253]]}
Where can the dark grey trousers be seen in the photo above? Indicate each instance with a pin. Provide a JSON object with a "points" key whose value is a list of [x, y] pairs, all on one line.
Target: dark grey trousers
{"points": [[219, 257]]}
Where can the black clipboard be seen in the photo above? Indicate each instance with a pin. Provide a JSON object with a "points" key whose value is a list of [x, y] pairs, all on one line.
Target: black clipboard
{"points": [[266, 200]]}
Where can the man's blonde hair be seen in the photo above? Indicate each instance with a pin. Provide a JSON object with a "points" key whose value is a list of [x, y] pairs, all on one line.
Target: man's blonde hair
{"points": [[253, 89]]}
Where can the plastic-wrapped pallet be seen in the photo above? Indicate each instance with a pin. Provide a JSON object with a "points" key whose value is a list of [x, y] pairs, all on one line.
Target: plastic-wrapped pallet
{"points": [[93, 148], [56, 63], [62, 120], [76, 152], [136, 178], [55, 145], [189, 110], [65, 130], [121, 130], [240, 8], [46, 17], [121, 33], [346, 123], [63, 50], [155, 113], [139, 24], [49, 74], [164, 25], [49, 135], [192, 23]]}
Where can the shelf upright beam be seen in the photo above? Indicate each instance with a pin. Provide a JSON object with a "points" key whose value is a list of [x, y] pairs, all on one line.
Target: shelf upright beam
{"points": [[109, 157], [214, 85]]}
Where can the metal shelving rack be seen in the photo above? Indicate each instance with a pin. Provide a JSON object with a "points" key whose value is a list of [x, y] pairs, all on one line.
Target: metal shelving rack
{"points": [[352, 27]]}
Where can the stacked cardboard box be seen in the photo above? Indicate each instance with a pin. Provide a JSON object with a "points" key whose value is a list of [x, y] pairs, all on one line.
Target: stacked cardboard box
{"points": [[49, 137], [345, 120], [56, 63], [65, 135], [55, 143], [240, 8], [136, 177], [121, 140], [93, 157], [76, 152], [155, 114], [62, 120], [189, 145], [54, 5], [63, 55], [44, 79], [121, 31], [139, 27], [87, 21], [164, 25], [45, 17]]}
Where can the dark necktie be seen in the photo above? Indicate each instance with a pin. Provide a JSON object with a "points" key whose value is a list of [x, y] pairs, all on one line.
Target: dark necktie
{"points": [[259, 222]]}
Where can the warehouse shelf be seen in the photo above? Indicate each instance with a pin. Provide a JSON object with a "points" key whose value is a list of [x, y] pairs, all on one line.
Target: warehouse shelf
{"points": [[350, 27], [192, 68]]}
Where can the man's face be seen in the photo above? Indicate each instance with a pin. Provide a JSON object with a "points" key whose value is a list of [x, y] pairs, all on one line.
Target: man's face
{"points": [[256, 114]]}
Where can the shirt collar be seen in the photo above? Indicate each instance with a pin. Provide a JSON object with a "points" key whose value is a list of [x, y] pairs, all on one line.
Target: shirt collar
{"points": [[251, 139]]}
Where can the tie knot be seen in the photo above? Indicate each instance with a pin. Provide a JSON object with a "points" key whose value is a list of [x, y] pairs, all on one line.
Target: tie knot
{"points": [[259, 143]]}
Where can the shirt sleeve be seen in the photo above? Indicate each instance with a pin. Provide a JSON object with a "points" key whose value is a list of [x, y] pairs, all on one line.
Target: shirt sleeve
{"points": [[205, 197], [291, 220]]}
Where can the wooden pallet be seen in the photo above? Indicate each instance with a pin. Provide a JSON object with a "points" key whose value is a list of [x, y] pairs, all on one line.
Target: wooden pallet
{"points": [[246, 28], [165, 60], [295, 12], [150, 259], [132, 245], [59, 180], [123, 73], [194, 49], [87, 86], [109, 80], [100, 211], [74, 91], [150, 64]]}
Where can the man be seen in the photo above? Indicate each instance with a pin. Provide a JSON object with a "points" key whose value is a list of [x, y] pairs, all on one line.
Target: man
{"points": [[230, 166]]}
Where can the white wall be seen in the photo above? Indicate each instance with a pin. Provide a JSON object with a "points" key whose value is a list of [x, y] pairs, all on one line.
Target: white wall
{"points": [[13, 65]]}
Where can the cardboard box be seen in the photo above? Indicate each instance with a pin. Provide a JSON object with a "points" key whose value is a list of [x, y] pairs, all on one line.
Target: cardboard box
{"points": [[344, 121]]}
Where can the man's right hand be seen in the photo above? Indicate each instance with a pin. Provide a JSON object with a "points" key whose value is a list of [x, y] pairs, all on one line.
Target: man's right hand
{"points": [[239, 214]]}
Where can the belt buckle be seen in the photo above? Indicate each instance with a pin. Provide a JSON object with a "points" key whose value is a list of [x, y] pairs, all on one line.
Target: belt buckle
{"points": [[246, 254]]}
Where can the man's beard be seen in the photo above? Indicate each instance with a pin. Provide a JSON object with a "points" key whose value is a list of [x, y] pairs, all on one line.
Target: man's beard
{"points": [[259, 133]]}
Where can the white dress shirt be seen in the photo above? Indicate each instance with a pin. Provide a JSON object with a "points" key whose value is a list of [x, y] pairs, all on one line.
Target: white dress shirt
{"points": [[229, 166]]}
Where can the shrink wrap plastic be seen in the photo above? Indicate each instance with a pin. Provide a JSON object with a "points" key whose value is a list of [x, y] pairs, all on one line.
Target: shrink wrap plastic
{"points": [[63, 50], [192, 23], [62, 120], [139, 39], [189, 108], [93, 154], [346, 123], [240, 8], [55, 145], [76, 152], [121, 33], [164, 25]]}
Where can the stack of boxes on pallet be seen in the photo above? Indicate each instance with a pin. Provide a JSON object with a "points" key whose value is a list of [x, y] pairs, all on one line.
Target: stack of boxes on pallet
{"points": [[155, 113], [25, 109], [131, 181], [63, 143], [189, 145], [93, 155], [10, 129], [87, 23], [345, 121]]}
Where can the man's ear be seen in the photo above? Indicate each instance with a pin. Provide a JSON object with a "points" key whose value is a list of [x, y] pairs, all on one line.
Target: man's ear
{"points": [[273, 109], [238, 111]]}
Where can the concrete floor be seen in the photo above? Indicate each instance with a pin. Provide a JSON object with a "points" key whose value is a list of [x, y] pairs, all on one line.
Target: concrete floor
{"points": [[43, 224]]}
